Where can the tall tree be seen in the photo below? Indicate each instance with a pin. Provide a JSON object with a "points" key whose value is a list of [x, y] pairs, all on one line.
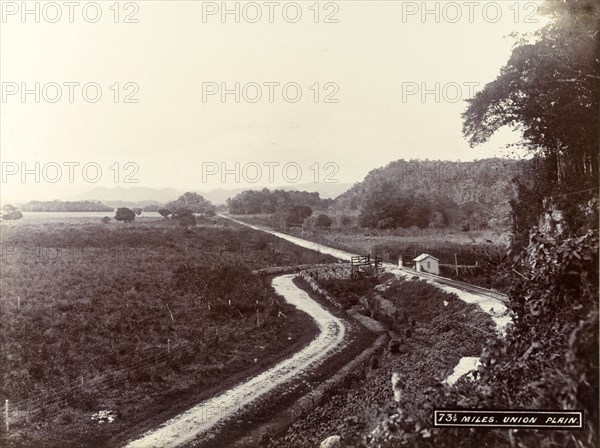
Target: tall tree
{"points": [[193, 201], [549, 89]]}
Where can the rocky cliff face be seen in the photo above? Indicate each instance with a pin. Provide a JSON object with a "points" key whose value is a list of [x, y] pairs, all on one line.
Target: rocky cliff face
{"points": [[552, 220]]}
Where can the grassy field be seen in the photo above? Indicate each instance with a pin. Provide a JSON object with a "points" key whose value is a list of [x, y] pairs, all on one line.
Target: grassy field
{"points": [[140, 319]]}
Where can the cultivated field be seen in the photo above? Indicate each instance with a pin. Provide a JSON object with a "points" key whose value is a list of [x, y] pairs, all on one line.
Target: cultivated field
{"points": [[139, 319]]}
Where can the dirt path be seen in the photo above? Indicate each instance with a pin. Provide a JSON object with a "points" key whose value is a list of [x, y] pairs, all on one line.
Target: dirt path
{"points": [[209, 414], [342, 255]]}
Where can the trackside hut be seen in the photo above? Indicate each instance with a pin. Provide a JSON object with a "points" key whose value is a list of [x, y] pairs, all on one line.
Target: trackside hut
{"points": [[427, 263]]}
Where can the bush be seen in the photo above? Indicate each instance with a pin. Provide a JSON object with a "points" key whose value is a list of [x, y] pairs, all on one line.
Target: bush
{"points": [[11, 213], [348, 291], [164, 212], [12, 216], [125, 214], [185, 217], [346, 221], [323, 221], [105, 220]]}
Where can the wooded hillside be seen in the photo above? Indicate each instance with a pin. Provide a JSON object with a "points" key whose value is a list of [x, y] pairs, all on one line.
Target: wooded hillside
{"points": [[469, 195]]}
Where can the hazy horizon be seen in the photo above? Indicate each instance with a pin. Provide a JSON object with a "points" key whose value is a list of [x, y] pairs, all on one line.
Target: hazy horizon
{"points": [[366, 83], [325, 189], [92, 193]]}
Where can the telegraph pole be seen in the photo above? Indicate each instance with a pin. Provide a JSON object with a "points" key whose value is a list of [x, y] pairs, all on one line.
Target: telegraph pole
{"points": [[456, 264], [6, 415]]}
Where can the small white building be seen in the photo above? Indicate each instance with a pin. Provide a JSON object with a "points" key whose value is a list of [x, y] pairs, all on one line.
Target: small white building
{"points": [[427, 263]]}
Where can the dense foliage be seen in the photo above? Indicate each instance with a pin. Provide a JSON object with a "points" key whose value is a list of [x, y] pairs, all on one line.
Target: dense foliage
{"points": [[124, 214], [323, 221], [185, 217], [194, 202], [164, 212], [549, 89], [252, 202], [438, 194], [10, 213], [548, 359]]}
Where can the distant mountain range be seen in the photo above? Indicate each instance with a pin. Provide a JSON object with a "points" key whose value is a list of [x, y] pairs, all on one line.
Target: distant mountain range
{"points": [[140, 196], [128, 195]]}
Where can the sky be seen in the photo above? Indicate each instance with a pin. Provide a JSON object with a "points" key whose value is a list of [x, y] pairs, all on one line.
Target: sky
{"points": [[199, 95]]}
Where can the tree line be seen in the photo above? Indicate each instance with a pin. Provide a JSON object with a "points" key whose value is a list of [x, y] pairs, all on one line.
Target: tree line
{"points": [[65, 206], [252, 202], [184, 209]]}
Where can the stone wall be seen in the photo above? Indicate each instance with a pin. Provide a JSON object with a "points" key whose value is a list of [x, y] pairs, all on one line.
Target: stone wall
{"points": [[316, 288], [330, 271], [280, 270]]}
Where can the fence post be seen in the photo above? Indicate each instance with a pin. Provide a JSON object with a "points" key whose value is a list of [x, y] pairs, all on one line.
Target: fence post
{"points": [[6, 415], [456, 264]]}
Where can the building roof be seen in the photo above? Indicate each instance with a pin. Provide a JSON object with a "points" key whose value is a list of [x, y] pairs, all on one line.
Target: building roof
{"points": [[424, 256]]}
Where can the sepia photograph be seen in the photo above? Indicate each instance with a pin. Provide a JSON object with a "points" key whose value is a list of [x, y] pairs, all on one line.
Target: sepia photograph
{"points": [[299, 224]]}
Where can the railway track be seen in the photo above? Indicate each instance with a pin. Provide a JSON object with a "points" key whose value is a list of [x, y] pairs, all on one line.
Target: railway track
{"points": [[453, 283]]}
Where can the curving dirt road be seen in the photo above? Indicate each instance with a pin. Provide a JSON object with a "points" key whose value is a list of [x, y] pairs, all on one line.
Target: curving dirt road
{"points": [[208, 414], [488, 302]]}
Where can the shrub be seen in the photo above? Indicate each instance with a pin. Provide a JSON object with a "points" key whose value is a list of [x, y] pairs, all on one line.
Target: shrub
{"points": [[11, 213], [295, 215], [164, 212], [185, 217], [323, 221], [125, 214], [346, 220]]}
